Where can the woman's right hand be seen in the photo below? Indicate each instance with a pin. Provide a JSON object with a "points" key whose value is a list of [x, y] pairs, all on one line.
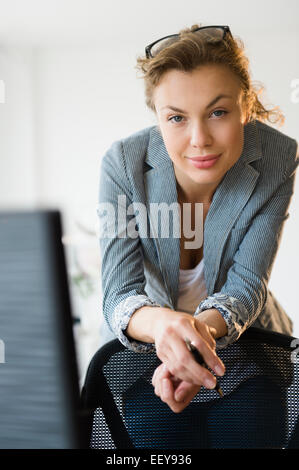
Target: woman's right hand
{"points": [[175, 393], [170, 330]]}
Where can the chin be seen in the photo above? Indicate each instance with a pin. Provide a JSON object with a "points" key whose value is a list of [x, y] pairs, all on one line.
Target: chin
{"points": [[204, 178]]}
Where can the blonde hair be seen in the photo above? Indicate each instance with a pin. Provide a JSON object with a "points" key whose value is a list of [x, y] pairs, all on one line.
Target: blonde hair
{"points": [[190, 51]]}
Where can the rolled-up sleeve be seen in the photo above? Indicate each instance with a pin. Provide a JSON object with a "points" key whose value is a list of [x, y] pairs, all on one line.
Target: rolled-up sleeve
{"points": [[243, 295], [122, 267]]}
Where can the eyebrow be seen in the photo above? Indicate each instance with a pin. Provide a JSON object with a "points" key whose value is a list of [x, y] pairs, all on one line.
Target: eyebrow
{"points": [[214, 101]]}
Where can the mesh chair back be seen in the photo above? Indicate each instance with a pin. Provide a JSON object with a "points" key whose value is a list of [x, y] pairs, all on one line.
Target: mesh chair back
{"points": [[260, 407]]}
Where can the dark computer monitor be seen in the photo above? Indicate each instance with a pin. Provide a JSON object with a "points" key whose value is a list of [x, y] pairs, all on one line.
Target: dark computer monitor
{"points": [[39, 387]]}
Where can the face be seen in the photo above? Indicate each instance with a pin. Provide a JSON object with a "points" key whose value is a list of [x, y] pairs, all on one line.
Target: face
{"points": [[200, 114]]}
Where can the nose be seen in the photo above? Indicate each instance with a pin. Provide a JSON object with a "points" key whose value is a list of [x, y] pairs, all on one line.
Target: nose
{"points": [[200, 135]]}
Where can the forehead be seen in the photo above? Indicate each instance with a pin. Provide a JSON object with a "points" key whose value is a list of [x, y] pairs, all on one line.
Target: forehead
{"points": [[202, 83]]}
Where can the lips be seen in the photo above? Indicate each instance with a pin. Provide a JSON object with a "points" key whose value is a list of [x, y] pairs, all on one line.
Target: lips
{"points": [[204, 162], [204, 158]]}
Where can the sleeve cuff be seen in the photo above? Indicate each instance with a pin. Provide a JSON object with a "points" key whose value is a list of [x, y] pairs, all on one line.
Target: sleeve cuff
{"points": [[121, 317], [233, 313]]}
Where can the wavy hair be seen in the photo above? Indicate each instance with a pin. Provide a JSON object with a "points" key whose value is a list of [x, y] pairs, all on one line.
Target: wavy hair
{"points": [[191, 51]]}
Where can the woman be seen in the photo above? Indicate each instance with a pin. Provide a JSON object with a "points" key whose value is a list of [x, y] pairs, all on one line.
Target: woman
{"points": [[212, 154]]}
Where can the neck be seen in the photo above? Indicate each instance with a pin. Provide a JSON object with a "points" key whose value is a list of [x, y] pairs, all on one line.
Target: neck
{"points": [[189, 191]]}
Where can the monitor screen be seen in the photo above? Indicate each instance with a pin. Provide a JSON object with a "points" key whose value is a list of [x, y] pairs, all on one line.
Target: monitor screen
{"points": [[39, 388]]}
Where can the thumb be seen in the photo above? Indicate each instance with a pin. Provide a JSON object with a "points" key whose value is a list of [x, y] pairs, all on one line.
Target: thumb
{"points": [[213, 331], [184, 389]]}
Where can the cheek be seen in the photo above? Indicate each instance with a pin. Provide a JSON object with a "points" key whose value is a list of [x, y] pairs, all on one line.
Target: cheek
{"points": [[232, 137], [175, 143]]}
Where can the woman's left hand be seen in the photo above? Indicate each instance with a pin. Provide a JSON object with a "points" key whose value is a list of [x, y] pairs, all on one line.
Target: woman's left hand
{"points": [[177, 394]]}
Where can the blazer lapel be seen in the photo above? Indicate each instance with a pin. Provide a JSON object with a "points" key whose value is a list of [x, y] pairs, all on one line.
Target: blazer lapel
{"points": [[160, 187], [228, 201]]}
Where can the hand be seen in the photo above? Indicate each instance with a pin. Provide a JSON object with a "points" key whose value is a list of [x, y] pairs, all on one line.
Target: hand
{"points": [[176, 393], [171, 329]]}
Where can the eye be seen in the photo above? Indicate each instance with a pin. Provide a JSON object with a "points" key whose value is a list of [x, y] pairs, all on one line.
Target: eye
{"points": [[217, 111], [176, 119]]}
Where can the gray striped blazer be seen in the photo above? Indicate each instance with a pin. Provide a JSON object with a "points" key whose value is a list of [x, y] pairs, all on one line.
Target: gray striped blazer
{"points": [[242, 232]]}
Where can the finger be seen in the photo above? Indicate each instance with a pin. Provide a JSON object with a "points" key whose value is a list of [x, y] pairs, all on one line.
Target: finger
{"points": [[158, 370], [155, 381], [213, 331], [180, 362], [208, 333], [186, 391], [209, 356], [184, 366], [154, 377], [177, 407], [204, 347], [167, 392], [168, 397], [165, 352], [160, 373]]}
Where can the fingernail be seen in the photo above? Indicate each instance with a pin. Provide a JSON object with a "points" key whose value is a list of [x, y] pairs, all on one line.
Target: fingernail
{"points": [[219, 370], [210, 383]]}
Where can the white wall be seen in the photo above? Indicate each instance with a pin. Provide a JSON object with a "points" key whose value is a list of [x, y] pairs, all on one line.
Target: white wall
{"points": [[71, 90], [17, 144]]}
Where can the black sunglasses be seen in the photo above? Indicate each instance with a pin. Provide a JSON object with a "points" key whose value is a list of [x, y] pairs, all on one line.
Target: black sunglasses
{"points": [[211, 34]]}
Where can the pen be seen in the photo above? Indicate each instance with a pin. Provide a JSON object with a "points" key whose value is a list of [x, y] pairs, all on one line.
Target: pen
{"points": [[199, 359]]}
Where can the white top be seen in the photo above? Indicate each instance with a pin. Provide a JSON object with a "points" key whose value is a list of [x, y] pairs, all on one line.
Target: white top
{"points": [[192, 288]]}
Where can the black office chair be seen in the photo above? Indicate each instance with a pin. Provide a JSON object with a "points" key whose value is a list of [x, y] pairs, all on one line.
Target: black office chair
{"points": [[260, 407]]}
